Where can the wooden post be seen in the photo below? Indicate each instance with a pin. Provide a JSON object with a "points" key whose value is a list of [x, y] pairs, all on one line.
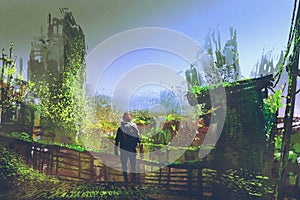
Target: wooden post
{"points": [[38, 157], [190, 179], [79, 164], [42, 158], [48, 161], [292, 69], [57, 162], [51, 162], [93, 175], [168, 177], [35, 158], [11, 64], [160, 174], [200, 190], [3, 89], [3, 58], [141, 165], [28, 153], [105, 172]]}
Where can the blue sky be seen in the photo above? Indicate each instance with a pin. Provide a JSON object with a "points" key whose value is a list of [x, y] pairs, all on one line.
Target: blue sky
{"points": [[262, 26]]}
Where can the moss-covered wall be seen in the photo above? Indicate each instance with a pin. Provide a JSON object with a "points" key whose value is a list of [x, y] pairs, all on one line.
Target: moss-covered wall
{"points": [[242, 141]]}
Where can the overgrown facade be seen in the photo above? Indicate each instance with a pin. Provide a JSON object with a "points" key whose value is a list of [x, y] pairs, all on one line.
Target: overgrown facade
{"points": [[52, 52], [57, 67]]}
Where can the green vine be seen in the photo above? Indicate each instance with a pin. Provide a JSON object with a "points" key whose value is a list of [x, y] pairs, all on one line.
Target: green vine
{"points": [[270, 109]]}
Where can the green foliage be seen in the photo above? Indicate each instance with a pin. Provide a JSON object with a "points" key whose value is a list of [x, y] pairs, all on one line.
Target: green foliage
{"points": [[247, 184], [59, 105], [271, 106], [233, 125], [205, 90], [293, 153], [163, 137], [146, 139], [242, 183], [62, 97], [193, 77], [72, 146], [15, 174], [296, 148], [274, 101], [19, 181], [23, 136], [270, 109], [13, 88], [278, 144], [141, 117], [173, 117], [224, 65], [109, 191], [106, 117], [221, 71]]}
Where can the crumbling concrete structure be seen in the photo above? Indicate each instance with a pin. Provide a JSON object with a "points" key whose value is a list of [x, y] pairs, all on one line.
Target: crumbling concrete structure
{"points": [[55, 51]]}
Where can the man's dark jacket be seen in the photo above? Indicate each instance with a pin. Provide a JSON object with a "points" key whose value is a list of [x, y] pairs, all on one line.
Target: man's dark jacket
{"points": [[128, 136]]}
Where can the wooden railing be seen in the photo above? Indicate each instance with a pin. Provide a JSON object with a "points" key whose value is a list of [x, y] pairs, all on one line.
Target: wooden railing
{"points": [[85, 166], [295, 125], [62, 162]]}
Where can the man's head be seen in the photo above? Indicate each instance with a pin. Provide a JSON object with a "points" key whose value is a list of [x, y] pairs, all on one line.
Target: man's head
{"points": [[126, 117]]}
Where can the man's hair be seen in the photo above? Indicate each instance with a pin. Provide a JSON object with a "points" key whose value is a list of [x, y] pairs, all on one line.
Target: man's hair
{"points": [[126, 117]]}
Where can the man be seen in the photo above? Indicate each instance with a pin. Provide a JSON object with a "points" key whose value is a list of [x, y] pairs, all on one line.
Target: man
{"points": [[129, 137]]}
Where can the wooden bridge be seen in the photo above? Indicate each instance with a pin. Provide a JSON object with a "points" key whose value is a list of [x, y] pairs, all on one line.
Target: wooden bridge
{"points": [[186, 179], [88, 167]]}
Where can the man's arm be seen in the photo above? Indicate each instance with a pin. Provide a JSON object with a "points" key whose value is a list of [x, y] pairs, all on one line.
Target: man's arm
{"points": [[137, 133], [117, 141]]}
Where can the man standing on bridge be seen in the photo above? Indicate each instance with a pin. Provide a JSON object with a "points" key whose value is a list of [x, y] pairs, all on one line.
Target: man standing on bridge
{"points": [[129, 137]]}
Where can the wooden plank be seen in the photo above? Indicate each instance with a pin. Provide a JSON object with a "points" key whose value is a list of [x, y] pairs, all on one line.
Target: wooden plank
{"points": [[190, 177], [200, 180], [168, 179], [186, 177], [57, 162], [79, 165]]}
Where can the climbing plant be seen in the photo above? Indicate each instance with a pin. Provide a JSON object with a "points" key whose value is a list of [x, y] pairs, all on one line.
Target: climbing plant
{"points": [[62, 101], [270, 110]]}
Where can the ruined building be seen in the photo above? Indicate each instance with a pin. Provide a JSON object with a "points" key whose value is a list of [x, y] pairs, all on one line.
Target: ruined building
{"points": [[61, 49]]}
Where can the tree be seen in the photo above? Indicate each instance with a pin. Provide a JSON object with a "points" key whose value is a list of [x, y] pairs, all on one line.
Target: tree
{"points": [[169, 102], [224, 65], [14, 90], [266, 66]]}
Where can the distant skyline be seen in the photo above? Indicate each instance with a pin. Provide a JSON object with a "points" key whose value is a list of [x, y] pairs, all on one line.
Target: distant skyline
{"points": [[262, 26]]}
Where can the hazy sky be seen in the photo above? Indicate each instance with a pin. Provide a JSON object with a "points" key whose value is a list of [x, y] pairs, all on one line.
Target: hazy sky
{"points": [[260, 24]]}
